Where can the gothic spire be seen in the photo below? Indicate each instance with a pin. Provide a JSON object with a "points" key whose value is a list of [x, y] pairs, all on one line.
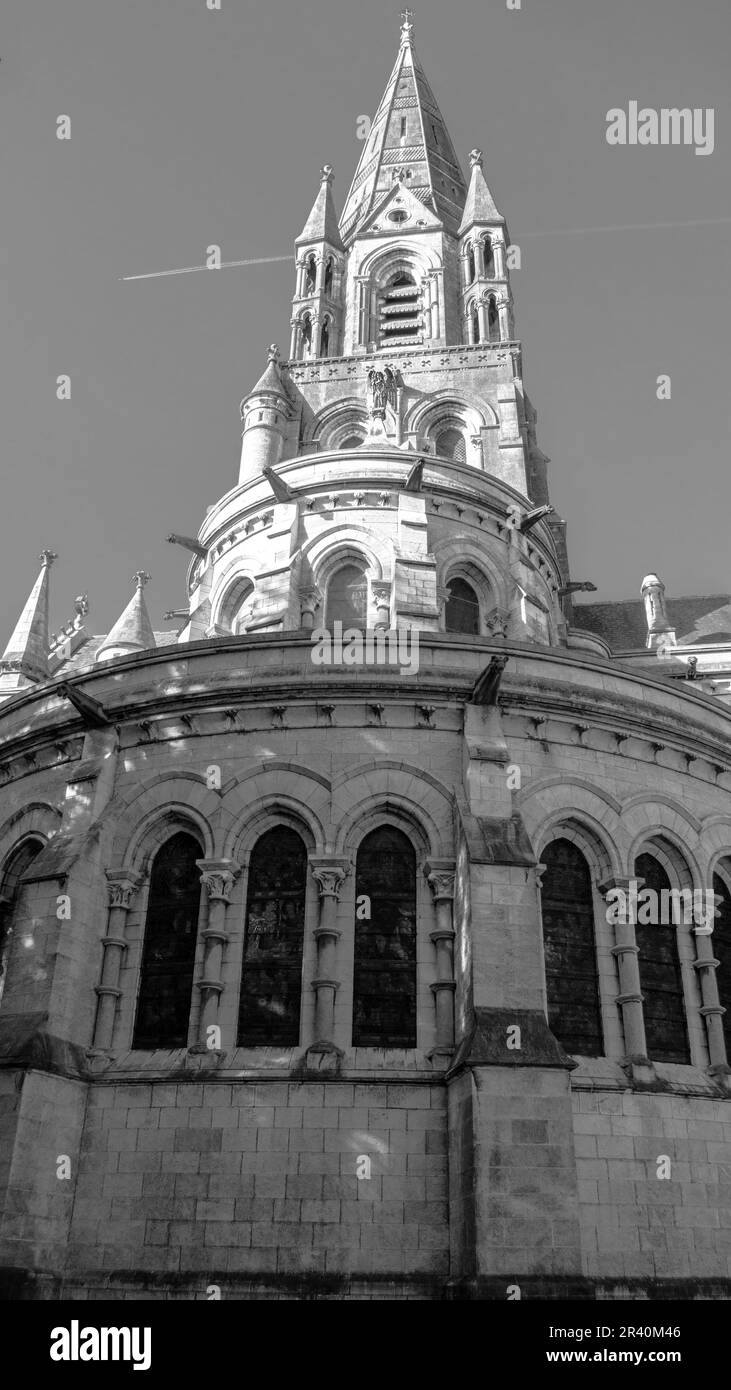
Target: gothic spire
{"points": [[479, 208], [132, 631], [322, 223], [408, 134], [25, 658]]}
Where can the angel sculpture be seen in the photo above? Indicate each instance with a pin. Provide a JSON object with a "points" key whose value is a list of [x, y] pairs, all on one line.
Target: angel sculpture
{"points": [[382, 386]]}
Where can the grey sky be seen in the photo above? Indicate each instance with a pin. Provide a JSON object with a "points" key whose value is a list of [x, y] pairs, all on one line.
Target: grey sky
{"points": [[191, 127]]}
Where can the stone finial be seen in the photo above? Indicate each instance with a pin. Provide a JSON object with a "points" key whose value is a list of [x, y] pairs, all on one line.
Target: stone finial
{"points": [[81, 606], [475, 157], [659, 627], [141, 578], [47, 558], [407, 26], [326, 173], [273, 353]]}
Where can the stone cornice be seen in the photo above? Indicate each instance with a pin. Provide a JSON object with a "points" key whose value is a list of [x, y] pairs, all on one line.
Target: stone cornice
{"points": [[677, 718]]}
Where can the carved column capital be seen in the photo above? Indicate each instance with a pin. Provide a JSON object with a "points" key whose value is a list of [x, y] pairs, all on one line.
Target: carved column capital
{"points": [[122, 886], [218, 877], [330, 875], [440, 875]]}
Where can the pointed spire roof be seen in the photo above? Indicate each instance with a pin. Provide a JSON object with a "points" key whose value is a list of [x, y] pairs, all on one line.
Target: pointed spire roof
{"points": [[322, 223], [271, 378], [132, 631], [26, 654], [480, 205], [424, 149]]}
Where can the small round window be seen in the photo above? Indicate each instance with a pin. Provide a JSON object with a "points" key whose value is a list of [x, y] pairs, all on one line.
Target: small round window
{"points": [[398, 215]]}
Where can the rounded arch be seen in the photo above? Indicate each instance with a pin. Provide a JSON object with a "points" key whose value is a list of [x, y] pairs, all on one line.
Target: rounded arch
{"points": [[160, 826], [592, 812], [233, 604], [679, 864], [400, 816], [264, 815], [426, 414], [332, 547], [379, 264], [461, 557], [661, 799], [400, 789], [38, 818], [335, 422], [587, 838], [164, 797]]}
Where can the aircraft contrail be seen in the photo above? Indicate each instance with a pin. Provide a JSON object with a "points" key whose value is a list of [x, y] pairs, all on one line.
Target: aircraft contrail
{"points": [[188, 269], [558, 231]]}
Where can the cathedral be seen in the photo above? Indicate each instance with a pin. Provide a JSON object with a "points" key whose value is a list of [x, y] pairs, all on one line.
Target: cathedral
{"points": [[316, 981]]}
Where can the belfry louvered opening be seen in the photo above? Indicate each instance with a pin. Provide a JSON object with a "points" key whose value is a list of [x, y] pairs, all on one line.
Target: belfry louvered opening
{"points": [[399, 310]]}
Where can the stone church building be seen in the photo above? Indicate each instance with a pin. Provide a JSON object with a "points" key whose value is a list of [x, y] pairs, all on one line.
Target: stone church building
{"points": [[313, 981]]}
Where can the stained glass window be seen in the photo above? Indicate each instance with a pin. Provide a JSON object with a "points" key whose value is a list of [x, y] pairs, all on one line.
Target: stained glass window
{"points": [[271, 985], [19, 861], [660, 978], [572, 986], [171, 929], [384, 979], [462, 611]]}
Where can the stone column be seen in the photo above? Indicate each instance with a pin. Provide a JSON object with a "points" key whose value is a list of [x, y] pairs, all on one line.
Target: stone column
{"points": [[440, 874], [329, 874], [484, 326], [626, 952], [498, 252], [712, 1010], [309, 603], [293, 339], [217, 877], [122, 887], [503, 313], [382, 599]]}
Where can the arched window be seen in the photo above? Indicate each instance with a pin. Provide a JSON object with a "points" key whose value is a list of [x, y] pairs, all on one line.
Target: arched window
{"points": [[661, 982], [347, 597], [236, 610], [353, 441], [462, 611], [450, 444], [328, 281], [325, 337], [310, 275], [168, 955], [475, 323], [470, 265], [399, 315], [384, 974], [487, 252], [271, 982], [493, 320], [572, 985], [20, 860], [306, 334], [721, 941]]}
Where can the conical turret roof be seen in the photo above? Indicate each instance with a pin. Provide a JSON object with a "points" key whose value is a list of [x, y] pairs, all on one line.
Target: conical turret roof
{"points": [[408, 133], [271, 378], [132, 631], [27, 651], [480, 205], [322, 223]]}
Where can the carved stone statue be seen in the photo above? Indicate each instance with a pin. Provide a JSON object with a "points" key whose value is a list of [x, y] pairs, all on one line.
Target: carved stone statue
{"points": [[382, 386]]}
